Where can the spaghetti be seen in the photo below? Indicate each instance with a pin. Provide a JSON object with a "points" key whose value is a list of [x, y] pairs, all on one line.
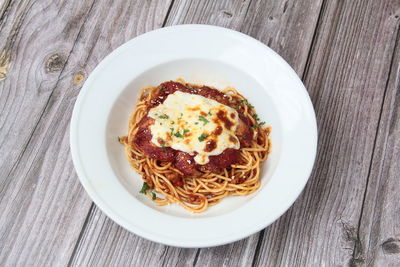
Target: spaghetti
{"points": [[208, 187]]}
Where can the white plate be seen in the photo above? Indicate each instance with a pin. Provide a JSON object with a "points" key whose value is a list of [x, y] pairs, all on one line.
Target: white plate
{"points": [[199, 54]]}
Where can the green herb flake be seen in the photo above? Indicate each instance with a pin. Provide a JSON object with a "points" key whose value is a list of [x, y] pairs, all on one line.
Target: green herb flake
{"points": [[247, 103], [185, 131], [119, 139], [172, 130], [162, 89], [202, 137], [204, 120], [172, 122], [164, 116], [255, 116], [163, 147], [145, 188], [178, 134], [255, 126], [196, 123], [209, 113]]}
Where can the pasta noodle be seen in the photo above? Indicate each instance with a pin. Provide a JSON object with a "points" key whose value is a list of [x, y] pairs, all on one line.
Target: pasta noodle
{"points": [[207, 189]]}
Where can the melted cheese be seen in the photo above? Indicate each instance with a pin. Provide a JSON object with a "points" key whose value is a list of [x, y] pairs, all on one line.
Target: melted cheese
{"points": [[194, 124]]}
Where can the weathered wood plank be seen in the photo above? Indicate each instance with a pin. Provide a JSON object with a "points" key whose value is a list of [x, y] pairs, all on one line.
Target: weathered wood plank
{"points": [[4, 5], [379, 230], [224, 13], [285, 26], [99, 248], [108, 244], [346, 77], [31, 58], [32, 55], [43, 205]]}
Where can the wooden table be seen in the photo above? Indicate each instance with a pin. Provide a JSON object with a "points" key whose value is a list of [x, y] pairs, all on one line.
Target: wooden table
{"points": [[346, 52]]}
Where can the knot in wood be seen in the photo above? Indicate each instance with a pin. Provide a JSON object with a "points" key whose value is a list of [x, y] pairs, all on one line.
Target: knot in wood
{"points": [[55, 63], [391, 246], [78, 78]]}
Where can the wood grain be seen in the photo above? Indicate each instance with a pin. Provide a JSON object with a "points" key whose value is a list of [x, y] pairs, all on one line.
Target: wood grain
{"points": [[30, 72], [110, 245], [346, 77], [286, 26], [234, 15], [43, 205], [28, 181], [379, 230]]}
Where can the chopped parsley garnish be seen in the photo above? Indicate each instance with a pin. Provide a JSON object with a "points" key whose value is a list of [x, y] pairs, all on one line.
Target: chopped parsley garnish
{"points": [[185, 131], [204, 120], [178, 134], [172, 122], [145, 188], [202, 137], [163, 147], [255, 126], [196, 123], [180, 116], [172, 130], [255, 116], [247, 103], [209, 113], [164, 116], [258, 124]]}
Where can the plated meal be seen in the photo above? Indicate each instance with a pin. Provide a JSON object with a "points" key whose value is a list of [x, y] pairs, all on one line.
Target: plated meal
{"points": [[221, 156], [194, 145]]}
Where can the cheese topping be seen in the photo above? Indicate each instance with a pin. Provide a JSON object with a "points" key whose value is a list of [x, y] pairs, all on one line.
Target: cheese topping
{"points": [[194, 124]]}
